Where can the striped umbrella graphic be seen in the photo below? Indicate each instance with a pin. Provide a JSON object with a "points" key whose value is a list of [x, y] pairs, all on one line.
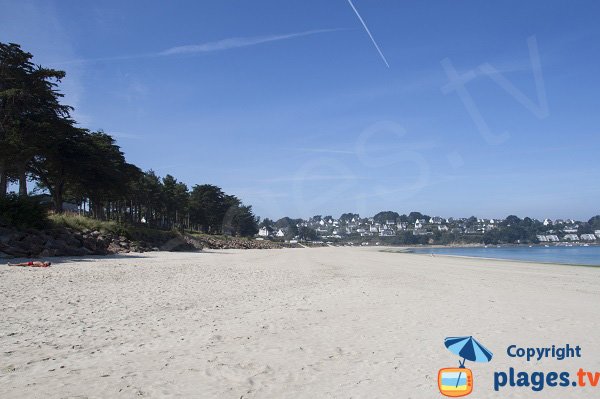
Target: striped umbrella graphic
{"points": [[469, 349]]}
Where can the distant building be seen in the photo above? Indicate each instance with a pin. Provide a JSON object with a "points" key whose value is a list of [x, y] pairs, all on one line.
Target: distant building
{"points": [[552, 238], [264, 232], [588, 237], [547, 222], [443, 228], [280, 233], [541, 238], [387, 233], [571, 237], [401, 225], [436, 220]]}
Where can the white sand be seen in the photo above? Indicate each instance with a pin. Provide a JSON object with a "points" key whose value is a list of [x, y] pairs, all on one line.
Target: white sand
{"points": [[304, 323]]}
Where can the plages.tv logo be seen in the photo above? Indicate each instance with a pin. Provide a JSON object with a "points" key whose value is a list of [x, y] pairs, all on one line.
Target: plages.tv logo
{"points": [[458, 381]]}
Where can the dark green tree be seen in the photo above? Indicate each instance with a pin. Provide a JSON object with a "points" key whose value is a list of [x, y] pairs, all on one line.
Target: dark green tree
{"points": [[208, 207], [382, 217], [29, 100]]}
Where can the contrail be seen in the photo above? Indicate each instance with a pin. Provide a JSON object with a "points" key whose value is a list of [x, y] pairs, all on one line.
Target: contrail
{"points": [[236, 42], [207, 47], [369, 33]]}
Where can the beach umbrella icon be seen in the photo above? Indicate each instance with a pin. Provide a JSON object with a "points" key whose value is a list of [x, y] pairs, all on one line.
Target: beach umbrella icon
{"points": [[469, 349]]}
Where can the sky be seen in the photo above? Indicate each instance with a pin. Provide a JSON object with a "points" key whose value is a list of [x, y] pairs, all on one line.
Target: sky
{"points": [[305, 107]]}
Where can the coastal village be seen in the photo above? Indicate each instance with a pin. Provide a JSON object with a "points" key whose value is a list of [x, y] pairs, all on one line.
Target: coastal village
{"points": [[566, 231]]}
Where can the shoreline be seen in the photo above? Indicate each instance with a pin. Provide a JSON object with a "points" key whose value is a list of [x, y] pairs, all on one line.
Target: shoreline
{"points": [[508, 260], [411, 250]]}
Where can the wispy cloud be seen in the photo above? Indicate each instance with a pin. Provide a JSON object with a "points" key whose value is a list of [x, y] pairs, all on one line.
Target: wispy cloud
{"points": [[326, 151], [405, 146], [362, 21], [286, 179], [236, 42], [207, 47]]}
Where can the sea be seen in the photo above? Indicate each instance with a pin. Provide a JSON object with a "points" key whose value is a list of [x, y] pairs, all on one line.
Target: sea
{"points": [[575, 255]]}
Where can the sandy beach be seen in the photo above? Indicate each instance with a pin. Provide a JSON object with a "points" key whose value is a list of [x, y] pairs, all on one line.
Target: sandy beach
{"points": [[293, 323]]}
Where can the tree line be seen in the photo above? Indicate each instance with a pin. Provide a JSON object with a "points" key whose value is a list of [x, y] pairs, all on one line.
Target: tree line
{"points": [[40, 142]]}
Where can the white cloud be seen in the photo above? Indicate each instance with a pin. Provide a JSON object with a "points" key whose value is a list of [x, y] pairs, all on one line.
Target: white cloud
{"points": [[237, 42]]}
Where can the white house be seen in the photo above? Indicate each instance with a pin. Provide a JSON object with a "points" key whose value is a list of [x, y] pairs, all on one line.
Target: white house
{"points": [[547, 222], [374, 229], [443, 227], [280, 233], [542, 238], [597, 232], [436, 220], [552, 238], [571, 237], [264, 232], [387, 233], [588, 237]]}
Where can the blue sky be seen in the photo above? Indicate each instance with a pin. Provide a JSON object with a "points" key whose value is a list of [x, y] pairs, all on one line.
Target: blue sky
{"points": [[289, 105]]}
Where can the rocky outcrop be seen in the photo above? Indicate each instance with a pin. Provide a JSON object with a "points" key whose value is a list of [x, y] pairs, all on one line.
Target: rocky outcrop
{"points": [[68, 242], [231, 242], [180, 244], [65, 241]]}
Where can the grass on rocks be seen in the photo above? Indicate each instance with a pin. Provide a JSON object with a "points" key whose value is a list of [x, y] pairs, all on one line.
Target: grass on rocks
{"points": [[135, 233]]}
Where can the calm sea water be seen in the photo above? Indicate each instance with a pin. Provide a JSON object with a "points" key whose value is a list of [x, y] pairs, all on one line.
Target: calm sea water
{"points": [[566, 255]]}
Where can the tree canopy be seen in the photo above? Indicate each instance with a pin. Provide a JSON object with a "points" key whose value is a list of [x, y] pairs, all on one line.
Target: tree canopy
{"points": [[40, 142]]}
